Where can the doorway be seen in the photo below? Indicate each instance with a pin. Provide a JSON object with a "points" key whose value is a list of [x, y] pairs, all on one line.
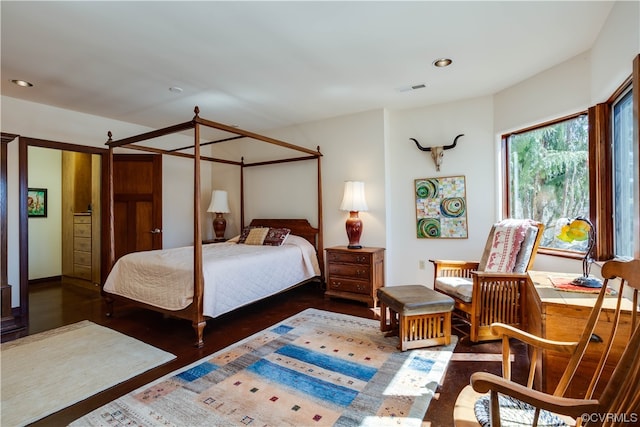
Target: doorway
{"points": [[65, 243]]}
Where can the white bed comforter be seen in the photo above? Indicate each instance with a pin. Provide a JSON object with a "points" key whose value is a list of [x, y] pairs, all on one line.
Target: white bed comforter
{"points": [[234, 275]]}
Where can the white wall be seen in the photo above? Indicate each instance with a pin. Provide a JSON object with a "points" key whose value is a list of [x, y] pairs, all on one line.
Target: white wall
{"points": [[353, 149], [473, 157], [614, 49], [557, 92], [45, 234]]}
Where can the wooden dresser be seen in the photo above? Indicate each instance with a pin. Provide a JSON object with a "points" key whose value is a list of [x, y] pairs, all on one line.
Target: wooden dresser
{"points": [[561, 315], [82, 245], [355, 274]]}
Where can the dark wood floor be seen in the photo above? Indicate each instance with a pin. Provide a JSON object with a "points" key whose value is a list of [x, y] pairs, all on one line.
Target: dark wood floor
{"points": [[54, 304]]}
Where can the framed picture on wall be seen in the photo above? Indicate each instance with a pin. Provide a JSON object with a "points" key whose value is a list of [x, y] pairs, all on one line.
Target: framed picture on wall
{"points": [[37, 202], [441, 208]]}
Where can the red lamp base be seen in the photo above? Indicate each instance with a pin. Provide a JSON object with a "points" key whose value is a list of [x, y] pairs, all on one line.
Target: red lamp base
{"points": [[354, 230], [219, 225]]}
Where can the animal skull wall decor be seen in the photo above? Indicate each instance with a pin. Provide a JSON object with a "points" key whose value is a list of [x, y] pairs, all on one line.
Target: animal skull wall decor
{"points": [[437, 153]]}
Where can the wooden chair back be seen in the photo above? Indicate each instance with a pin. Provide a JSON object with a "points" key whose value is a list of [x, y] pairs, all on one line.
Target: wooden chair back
{"points": [[620, 401]]}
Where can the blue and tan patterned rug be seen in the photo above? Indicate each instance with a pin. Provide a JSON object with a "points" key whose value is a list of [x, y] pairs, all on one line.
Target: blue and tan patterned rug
{"points": [[314, 369]]}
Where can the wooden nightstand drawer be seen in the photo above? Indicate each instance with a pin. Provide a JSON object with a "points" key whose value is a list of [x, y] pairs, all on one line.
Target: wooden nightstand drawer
{"points": [[350, 270], [349, 257], [346, 285]]}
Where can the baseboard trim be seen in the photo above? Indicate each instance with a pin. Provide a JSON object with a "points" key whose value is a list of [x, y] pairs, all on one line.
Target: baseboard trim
{"points": [[45, 280]]}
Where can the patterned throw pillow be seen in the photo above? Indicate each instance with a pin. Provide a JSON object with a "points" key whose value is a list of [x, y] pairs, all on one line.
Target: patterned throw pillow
{"points": [[244, 234], [276, 236], [256, 236]]}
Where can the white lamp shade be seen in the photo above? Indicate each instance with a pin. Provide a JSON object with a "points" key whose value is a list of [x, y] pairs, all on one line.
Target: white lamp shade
{"points": [[219, 202], [353, 199]]}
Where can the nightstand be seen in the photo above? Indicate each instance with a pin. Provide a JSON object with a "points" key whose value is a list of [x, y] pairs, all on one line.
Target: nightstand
{"points": [[355, 274]]}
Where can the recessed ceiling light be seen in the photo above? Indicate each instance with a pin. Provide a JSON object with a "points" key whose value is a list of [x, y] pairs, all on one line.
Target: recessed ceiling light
{"points": [[175, 89], [22, 83], [442, 62]]}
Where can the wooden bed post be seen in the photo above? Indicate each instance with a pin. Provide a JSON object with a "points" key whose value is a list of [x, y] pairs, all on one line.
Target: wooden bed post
{"points": [[111, 253], [320, 222], [198, 318], [241, 193]]}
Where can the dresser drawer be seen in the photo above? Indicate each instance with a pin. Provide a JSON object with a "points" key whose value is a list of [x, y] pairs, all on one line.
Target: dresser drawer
{"points": [[359, 271], [347, 285], [82, 219], [82, 230], [82, 271], [82, 244], [82, 258], [347, 257]]}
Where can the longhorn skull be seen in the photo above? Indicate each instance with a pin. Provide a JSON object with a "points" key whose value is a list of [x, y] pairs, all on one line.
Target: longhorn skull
{"points": [[437, 153]]}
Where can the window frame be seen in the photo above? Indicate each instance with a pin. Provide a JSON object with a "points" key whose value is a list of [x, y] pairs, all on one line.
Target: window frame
{"points": [[506, 178]]}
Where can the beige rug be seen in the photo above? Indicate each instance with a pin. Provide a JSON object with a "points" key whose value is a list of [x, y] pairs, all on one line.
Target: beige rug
{"points": [[47, 372]]}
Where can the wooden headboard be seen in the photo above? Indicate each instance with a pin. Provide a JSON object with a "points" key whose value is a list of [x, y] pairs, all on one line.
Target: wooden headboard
{"points": [[299, 227]]}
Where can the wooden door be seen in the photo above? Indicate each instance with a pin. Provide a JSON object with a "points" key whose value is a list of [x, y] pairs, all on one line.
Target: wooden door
{"points": [[137, 200]]}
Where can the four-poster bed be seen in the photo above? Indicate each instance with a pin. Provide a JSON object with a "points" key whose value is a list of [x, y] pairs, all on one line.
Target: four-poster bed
{"points": [[193, 306]]}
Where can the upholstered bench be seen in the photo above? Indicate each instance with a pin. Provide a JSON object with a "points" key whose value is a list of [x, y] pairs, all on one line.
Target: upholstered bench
{"points": [[420, 316]]}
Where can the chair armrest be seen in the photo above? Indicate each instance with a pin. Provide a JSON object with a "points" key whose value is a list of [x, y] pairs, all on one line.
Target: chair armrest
{"points": [[454, 263], [501, 329], [483, 382], [497, 276]]}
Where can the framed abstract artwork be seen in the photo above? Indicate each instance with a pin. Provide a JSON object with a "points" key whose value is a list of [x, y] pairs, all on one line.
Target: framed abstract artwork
{"points": [[441, 208], [37, 202]]}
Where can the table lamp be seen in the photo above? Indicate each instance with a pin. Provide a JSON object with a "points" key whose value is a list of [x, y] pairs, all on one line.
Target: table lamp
{"points": [[353, 201], [219, 206], [576, 230]]}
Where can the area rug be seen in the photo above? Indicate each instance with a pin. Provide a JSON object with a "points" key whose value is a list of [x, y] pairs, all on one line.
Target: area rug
{"points": [[316, 368], [49, 371]]}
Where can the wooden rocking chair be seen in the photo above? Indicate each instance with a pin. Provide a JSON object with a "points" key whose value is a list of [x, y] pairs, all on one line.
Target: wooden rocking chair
{"points": [[494, 400], [485, 295]]}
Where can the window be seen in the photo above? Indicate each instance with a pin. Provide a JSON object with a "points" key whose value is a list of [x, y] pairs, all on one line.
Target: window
{"points": [[624, 205], [548, 176], [583, 165]]}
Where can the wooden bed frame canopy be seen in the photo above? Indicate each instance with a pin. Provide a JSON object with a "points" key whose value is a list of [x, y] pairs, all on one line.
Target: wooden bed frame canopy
{"points": [[194, 311]]}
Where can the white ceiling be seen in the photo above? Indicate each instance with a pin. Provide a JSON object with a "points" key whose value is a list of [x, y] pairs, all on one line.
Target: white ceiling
{"points": [[264, 64]]}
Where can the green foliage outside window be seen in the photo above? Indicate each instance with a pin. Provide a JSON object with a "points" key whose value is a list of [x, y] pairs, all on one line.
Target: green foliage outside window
{"points": [[549, 176]]}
